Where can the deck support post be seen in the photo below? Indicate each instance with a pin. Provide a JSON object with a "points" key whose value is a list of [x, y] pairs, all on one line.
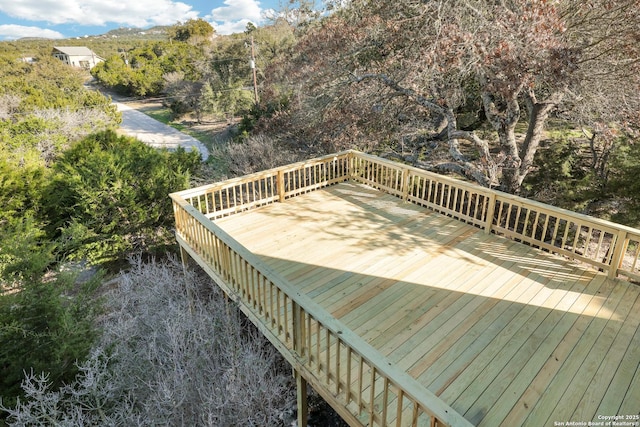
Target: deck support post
{"points": [[301, 396], [184, 257], [353, 166], [298, 329]]}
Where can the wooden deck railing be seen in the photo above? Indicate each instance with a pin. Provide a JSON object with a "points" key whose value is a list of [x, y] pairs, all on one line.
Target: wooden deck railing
{"points": [[363, 386], [273, 185], [605, 245]]}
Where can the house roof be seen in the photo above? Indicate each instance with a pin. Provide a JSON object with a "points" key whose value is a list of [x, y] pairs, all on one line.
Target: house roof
{"points": [[75, 50]]}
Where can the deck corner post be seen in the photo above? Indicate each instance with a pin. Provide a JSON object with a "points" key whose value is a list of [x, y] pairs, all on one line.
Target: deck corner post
{"points": [[620, 245], [491, 209], [281, 191], [301, 397], [353, 163], [350, 160]]}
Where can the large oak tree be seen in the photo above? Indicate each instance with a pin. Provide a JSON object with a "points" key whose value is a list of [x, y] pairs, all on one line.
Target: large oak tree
{"points": [[520, 61]]}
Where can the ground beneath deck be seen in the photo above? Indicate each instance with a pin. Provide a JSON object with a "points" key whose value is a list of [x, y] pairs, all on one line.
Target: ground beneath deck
{"points": [[503, 333]]}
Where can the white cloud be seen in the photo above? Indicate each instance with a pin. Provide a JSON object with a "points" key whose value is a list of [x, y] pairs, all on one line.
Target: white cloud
{"points": [[236, 10], [12, 32], [234, 16], [137, 13], [230, 27]]}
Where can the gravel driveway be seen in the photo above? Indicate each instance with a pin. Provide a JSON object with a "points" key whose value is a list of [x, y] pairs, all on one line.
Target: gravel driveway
{"points": [[155, 133]]}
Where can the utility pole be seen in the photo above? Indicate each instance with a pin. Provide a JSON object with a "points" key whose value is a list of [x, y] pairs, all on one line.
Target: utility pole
{"points": [[126, 58], [253, 67]]}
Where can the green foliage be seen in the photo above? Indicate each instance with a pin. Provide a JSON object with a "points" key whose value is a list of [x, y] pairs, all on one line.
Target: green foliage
{"points": [[169, 344], [566, 175], [562, 175], [20, 189], [113, 73], [101, 197], [624, 182], [231, 101], [265, 109], [203, 79], [25, 255], [192, 30], [250, 28], [31, 137], [147, 65], [108, 196], [45, 323], [44, 106], [48, 84]]}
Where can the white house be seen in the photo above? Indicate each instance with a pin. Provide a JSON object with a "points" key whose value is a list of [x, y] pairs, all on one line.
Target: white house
{"points": [[77, 56]]}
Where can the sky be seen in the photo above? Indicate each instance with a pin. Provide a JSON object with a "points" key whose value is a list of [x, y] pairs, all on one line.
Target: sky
{"points": [[57, 19]]}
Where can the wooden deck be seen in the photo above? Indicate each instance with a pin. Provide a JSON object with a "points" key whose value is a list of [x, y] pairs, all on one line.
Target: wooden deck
{"points": [[503, 333]]}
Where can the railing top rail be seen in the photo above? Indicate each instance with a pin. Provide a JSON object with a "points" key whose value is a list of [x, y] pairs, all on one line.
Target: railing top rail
{"points": [[191, 192], [443, 178], [502, 195], [410, 386], [454, 181], [565, 212]]}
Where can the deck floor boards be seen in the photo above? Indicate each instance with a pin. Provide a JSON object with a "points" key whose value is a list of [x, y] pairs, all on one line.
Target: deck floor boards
{"points": [[503, 333]]}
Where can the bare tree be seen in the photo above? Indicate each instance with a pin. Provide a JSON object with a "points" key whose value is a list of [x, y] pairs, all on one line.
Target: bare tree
{"points": [[8, 105], [172, 353], [68, 125], [256, 153]]}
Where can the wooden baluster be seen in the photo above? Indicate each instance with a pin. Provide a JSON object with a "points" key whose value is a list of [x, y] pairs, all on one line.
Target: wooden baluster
{"points": [[405, 184], [348, 378], [399, 407], [372, 396]]}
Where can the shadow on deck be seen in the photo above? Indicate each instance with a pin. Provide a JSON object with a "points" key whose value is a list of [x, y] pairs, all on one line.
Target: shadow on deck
{"points": [[501, 332], [399, 315]]}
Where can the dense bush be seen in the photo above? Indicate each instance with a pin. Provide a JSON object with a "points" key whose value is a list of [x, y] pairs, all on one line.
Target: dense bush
{"points": [[109, 196], [46, 321], [624, 183], [568, 174], [20, 188], [44, 106], [141, 72], [194, 30]]}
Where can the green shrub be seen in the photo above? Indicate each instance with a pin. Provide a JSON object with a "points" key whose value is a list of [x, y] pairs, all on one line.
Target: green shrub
{"points": [[624, 182], [46, 323], [109, 196]]}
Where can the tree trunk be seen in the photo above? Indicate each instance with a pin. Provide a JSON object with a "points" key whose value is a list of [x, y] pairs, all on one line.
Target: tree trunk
{"points": [[503, 116], [537, 119], [510, 181], [538, 115]]}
